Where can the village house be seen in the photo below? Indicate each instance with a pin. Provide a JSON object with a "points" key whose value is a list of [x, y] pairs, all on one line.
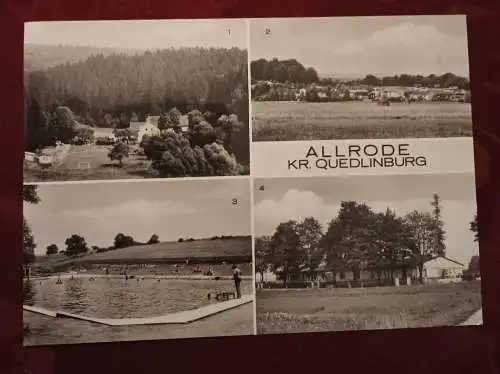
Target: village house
{"points": [[147, 128]]}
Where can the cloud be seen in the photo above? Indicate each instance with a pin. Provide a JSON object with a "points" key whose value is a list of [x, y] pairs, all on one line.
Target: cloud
{"points": [[402, 35], [294, 205], [137, 209]]}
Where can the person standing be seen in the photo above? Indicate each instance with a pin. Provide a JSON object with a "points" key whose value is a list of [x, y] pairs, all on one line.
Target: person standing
{"points": [[237, 280]]}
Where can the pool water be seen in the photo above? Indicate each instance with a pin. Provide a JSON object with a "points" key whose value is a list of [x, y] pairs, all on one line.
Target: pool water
{"points": [[120, 298]]}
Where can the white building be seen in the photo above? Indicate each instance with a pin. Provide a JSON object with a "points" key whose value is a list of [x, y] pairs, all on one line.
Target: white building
{"points": [[147, 128], [442, 267]]}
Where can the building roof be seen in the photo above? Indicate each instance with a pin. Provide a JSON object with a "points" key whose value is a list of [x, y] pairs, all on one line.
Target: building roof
{"points": [[153, 120], [446, 258]]}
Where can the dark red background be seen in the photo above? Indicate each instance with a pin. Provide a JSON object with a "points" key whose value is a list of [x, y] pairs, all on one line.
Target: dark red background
{"points": [[424, 351]]}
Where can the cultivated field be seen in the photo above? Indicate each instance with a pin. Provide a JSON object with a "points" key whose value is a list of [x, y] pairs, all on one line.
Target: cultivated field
{"points": [[308, 310], [279, 121], [88, 162], [237, 248]]}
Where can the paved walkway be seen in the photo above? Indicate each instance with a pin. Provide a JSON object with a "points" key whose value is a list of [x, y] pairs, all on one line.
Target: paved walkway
{"points": [[183, 317], [475, 319]]}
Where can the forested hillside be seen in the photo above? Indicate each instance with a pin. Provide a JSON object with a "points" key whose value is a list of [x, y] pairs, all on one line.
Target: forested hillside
{"points": [[41, 57], [110, 91]]}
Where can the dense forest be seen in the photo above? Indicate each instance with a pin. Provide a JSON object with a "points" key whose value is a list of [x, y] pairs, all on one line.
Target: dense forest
{"points": [[41, 57], [294, 72], [113, 90]]}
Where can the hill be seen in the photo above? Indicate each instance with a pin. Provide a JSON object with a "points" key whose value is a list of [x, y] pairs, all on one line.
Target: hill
{"points": [[237, 248], [42, 57]]}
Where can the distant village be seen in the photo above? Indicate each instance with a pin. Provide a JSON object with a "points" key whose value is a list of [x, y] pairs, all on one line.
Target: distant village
{"points": [[263, 90]]}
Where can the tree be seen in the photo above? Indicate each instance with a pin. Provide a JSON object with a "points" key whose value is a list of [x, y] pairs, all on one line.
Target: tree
{"points": [[423, 229], [473, 226], [162, 121], [474, 265], [123, 241], [154, 239], [52, 249], [29, 244], [262, 249], [75, 245], [351, 238], [310, 234], [395, 246], [118, 152], [284, 253], [30, 195], [439, 233]]}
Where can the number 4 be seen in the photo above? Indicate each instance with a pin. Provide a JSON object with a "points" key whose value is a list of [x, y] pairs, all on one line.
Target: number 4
{"points": [[268, 31]]}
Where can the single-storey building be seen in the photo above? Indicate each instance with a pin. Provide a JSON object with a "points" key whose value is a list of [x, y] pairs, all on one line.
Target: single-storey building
{"points": [[438, 268]]}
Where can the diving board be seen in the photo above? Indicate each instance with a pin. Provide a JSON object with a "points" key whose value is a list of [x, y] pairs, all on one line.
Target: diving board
{"points": [[183, 317]]}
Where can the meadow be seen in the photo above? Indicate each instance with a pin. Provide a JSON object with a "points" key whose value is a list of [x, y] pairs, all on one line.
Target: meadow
{"points": [[204, 250], [289, 121], [88, 162], [309, 310]]}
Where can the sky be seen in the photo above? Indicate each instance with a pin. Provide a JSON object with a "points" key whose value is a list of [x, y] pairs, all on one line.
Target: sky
{"points": [[297, 198], [170, 209], [356, 46], [145, 34]]}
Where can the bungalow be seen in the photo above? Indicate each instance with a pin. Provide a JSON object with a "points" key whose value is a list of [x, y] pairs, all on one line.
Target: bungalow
{"points": [[436, 269]]}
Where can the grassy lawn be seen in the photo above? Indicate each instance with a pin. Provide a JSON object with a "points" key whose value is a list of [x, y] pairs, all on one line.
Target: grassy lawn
{"points": [[280, 121], [307, 310], [74, 166], [47, 331]]}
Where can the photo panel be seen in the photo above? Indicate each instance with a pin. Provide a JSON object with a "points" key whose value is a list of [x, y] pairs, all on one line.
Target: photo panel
{"points": [[135, 99], [366, 253], [381, 77], [138, 260]]}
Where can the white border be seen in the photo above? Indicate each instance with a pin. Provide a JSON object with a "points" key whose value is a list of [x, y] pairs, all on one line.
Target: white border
{"points": [[250, 177]]}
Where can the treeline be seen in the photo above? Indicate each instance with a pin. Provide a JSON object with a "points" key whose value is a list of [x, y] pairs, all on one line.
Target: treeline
{"points": [[282, 71], [408, 80], [357, 239], [41, 57], [292, 71]]}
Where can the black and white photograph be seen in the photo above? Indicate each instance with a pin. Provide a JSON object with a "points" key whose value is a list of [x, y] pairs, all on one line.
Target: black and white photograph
{"points": [[139, 260], [366, 253], [382, 77], [135, 99]]}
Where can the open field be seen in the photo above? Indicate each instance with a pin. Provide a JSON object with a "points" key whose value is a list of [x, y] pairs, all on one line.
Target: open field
{"points": [[280, 121], [236, 249], [308, 310], [88, 162]]}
